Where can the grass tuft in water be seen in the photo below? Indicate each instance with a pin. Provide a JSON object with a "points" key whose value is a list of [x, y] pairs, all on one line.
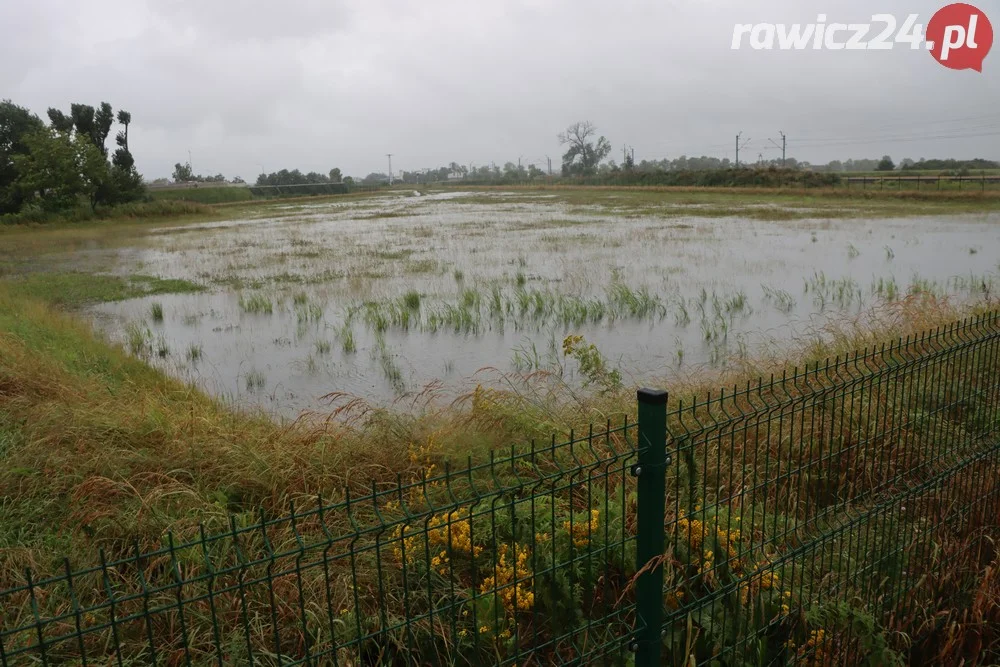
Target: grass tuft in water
{"points": [[162, 349], [345, 334], [256, 303], [308, 313], [156, 312], [138, 339], [782, 300], [411, 300], [255, 380]]}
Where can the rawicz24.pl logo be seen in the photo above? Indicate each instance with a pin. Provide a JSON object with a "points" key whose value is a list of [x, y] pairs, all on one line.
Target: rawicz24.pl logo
{"points": [[959, 36]]}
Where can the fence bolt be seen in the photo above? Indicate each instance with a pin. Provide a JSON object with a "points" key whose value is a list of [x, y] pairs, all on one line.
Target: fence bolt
{"points": [[636, 470], [651, 488]]}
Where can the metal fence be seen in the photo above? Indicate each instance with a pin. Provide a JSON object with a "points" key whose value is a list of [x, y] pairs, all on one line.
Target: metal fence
{"points": [[968, 183], [798, 519]]}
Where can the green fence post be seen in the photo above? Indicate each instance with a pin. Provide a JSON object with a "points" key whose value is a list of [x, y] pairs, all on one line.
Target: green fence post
{"points": [[651, 473]]}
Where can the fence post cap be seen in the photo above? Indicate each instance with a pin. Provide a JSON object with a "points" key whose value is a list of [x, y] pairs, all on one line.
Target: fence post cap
{"points": [[652, 396]]}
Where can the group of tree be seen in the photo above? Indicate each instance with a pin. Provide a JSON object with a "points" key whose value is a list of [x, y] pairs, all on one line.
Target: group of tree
{"points": [[950, 165], [59, 165], [296, 177], [184, 174], [886, 163]]}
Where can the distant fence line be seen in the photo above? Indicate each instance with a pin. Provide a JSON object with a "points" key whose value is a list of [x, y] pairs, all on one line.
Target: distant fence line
{"points": [[758, 525], [888, 182]]}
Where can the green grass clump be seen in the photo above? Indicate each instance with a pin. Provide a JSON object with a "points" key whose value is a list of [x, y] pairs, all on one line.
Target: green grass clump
{"points": [[156, 311], [345, 334], [256, 303], [162, 349], [309, 313], [255, 380], [81, 289], [411, 300], [194, 352], [202, 194], [138, 339]]}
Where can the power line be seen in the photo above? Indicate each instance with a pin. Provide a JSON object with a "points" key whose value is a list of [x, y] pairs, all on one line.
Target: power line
{"points": [[784, 144], [738, 147]]}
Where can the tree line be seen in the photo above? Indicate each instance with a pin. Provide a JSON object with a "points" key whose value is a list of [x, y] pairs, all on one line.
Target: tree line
{"points": [[65, 163]]}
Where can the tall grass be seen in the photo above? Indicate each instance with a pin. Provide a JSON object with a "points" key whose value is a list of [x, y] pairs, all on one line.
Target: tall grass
{"points": [[133, 211], [203, 195]]}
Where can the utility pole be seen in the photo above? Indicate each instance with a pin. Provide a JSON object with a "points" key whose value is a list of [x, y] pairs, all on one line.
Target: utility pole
{"points": [[550, 164], [784, 143], [739, 146], [189, 160], [633, 156], [389, 155]]}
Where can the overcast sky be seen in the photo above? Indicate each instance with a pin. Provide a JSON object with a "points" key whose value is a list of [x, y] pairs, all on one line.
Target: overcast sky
{"points": [[313, 84]]}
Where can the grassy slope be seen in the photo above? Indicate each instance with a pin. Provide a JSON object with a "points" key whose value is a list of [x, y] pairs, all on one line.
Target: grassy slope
{"points": [[100, 448]]}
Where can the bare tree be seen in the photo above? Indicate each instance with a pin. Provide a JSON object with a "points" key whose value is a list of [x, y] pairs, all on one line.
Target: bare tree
{"points": [[583, 154]]}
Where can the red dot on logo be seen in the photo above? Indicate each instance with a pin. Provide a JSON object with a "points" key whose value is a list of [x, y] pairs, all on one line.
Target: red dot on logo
{"points": [[960, 36]]}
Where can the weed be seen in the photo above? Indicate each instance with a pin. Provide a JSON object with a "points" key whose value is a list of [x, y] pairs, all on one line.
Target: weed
{"points": [[781, 299], [256, 303], [194, 352], [138, 338], [308, 313], [156, 312], [411, 300], [162, 349], [346, 336], [255, 380], [682, 318]]}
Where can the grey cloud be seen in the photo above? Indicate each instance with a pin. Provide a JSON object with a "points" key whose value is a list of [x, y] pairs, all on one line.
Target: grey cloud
{"points": [[313, 84]]}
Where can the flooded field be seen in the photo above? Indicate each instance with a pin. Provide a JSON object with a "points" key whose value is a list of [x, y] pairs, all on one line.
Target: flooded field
{"points": [[384, 298]]}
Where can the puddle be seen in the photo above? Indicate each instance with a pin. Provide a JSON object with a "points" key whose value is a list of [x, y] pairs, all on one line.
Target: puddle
{"points": [[338, 299]]}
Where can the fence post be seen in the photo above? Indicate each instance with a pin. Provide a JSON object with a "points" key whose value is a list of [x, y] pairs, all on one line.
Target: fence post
{"points": [[651, 473]]}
